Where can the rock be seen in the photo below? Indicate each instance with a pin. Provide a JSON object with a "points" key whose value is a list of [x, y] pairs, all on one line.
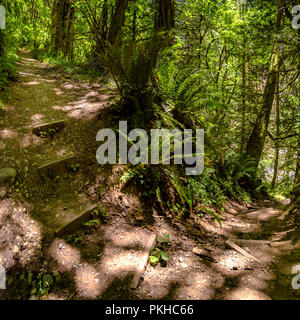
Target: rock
{"points": [[7, 174], [2, 194]]}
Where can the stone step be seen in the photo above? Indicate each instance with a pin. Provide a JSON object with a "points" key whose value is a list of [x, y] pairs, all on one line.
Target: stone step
{"points": [[71, 222], [49, 128], [53, 168], [65, 214]]}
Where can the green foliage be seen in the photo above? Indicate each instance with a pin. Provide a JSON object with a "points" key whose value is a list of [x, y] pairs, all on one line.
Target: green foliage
{"points": [[164, 240], [101, 212], [42, 284], [73, 239], [7, 69], [91, 224], [158, 254]]}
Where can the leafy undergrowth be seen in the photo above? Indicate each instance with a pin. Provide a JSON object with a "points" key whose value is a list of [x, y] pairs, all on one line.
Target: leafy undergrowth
{"points": [[78, 70]]}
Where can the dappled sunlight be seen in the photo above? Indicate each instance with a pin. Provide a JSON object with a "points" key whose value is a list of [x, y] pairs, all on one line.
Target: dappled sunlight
{"points": [[8, 134], [231, 260], [235, 225], [37, 118], [68, 86], [31, 83], [62, 152], [257, 279], [64, 254], [25, 74], [121, 262], [58, 92], [20, 235], [264, 214], [245, 293], [88, 282], [199, 285], [87, 106], [29, 140]]}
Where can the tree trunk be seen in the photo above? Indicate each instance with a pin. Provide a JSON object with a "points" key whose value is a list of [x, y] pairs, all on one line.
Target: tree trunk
{"points": [[117, 21], [243, 135], [257, 139], [277, 110], [296, 187], [63, 25]]}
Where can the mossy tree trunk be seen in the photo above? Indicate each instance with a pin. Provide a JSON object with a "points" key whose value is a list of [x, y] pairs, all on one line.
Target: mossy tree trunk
{"points": [[63, 16], [277, 144], [258, 136], [296, 189], [117, 21]]}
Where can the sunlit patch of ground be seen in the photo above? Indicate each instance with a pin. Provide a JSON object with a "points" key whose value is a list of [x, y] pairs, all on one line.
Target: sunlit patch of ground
{"points": [[20, 235], [29, 140], [8, 134], [264, 214], [64, 254], [85, 107], [246, 294], [31, 83]]}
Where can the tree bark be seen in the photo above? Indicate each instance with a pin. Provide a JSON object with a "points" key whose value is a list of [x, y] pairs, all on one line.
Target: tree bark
{"points": [[63, 15], [277, 111], [117, 21], [296, 187], [257, 139]]}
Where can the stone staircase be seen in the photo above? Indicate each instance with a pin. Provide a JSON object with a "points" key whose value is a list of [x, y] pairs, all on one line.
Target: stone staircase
{"points": [[61, 216]]}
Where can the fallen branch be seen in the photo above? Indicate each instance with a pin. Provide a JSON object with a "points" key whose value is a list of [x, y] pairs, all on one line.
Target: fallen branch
{"points": [[141, 267], [253, 241], [242, 251]]}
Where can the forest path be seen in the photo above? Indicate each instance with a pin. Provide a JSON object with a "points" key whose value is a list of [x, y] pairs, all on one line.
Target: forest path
{"points": [[98, 262], [272, 237]]}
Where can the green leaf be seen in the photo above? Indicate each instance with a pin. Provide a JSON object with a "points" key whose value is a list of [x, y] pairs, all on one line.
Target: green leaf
{"points": [[164, 255], [153, 260]]}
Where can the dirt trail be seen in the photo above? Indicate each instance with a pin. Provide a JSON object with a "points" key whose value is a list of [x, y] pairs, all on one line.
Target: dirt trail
{"points": [[98, 261]]}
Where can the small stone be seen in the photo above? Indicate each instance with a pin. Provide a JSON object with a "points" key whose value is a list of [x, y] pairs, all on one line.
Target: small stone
{"points": [[180, 259]]}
